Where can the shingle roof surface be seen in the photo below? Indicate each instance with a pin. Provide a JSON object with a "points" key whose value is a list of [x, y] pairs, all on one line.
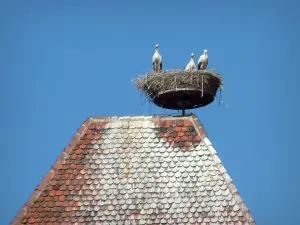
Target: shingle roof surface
{"points": [[137, 170]]}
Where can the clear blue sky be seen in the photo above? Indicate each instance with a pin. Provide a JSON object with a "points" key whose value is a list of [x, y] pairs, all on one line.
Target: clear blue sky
{"points": [[64, 61]]}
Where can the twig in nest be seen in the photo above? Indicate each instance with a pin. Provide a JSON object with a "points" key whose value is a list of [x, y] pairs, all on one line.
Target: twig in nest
{"points": [[154, 83], [202, 87], [220, 98]]}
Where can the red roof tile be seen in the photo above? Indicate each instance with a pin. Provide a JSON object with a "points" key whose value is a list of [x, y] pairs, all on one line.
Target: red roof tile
{"points": [[137, 170]]}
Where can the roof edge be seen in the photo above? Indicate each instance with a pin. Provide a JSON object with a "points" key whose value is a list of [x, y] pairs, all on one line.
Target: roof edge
{"points": [[137, 118], [47, 178], [224, 173]]}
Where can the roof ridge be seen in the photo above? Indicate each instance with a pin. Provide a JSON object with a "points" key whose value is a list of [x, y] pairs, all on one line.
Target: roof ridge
{"points": [[139, 117]]}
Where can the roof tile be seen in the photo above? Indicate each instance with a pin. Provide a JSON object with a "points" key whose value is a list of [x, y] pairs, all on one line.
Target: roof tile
{"points": [[137, 170]]}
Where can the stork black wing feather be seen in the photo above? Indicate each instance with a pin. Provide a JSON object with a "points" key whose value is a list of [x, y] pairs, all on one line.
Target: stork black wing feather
{"points": [[199, 65]]}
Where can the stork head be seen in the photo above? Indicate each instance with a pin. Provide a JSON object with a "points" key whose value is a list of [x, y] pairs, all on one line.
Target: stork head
{"points": [[192, 55], [205, 51], [156, 46]]}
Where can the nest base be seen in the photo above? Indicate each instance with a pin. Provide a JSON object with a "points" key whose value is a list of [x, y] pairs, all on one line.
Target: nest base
{"points": [[183, 99]]}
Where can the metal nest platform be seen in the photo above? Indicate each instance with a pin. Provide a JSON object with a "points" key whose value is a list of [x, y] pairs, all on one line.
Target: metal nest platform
{"points": [[179, 89]]}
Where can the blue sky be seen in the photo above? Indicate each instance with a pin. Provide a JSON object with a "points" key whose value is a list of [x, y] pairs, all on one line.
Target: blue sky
{"points": [[64, 61]]}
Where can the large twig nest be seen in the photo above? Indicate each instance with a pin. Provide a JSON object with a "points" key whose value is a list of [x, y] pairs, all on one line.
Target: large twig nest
{"points": [[179, 89]]}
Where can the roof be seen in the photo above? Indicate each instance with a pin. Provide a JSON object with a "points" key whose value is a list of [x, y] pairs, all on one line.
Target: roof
{"points": [[137, 170]]}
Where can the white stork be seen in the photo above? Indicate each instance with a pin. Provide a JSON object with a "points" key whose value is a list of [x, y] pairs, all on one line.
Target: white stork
{"points": [[203, 61], [191, 65], [157, 60]]}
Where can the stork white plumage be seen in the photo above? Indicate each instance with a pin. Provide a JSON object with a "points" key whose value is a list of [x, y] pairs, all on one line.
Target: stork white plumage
{"points": [[191, 65], [157, 60], [203, 61]]}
